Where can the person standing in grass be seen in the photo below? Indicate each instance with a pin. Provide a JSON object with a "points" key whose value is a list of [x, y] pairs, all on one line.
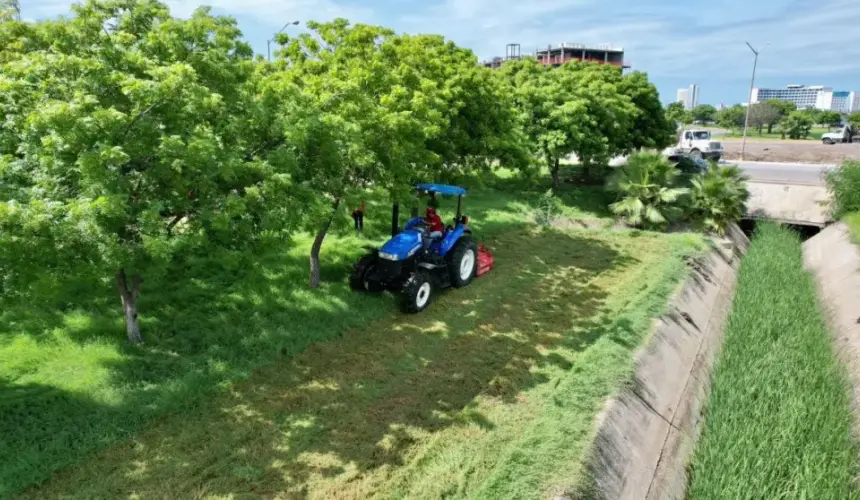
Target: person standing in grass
{"points": [[358, 217]]}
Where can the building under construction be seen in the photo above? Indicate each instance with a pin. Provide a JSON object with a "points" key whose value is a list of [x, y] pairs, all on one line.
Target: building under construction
{"points": [[556, 56]]}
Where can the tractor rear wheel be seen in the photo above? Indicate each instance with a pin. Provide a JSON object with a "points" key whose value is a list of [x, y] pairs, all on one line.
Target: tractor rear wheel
{"points": [[463, 263], [417, 292], [358, 279]]}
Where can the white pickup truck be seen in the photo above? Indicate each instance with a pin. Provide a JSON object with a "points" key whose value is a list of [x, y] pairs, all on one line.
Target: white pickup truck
{"points": [[698, 144], [842, 135]]}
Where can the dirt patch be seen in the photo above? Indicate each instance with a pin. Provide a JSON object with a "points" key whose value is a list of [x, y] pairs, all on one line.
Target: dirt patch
{"points": [[790, 151]]}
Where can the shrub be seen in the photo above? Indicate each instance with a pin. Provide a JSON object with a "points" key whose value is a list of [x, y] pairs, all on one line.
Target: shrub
{"points": [[796, 125], [648, 191], [717, 197], [548, 208], [844, 184]]}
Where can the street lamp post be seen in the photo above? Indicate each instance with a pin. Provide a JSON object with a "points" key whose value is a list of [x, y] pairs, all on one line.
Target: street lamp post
{"points": [[269, 42], [749, 103]]}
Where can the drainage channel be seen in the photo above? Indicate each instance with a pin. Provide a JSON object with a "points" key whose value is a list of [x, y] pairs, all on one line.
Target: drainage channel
{"points": [[646, 433], [805, 232]]}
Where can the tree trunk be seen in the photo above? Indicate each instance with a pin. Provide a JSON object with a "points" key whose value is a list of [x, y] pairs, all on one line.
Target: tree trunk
{"points": [[128, 297], [317, 246], [770, 128], [555, 180]]}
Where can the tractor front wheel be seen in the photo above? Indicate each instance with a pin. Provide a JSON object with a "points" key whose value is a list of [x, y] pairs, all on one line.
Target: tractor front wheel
{"points": [[358, 279], [463, 263], [417, 292]]}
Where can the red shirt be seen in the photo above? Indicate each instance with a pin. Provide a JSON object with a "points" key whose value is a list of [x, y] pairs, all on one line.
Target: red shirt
{"points": [[435, 223]]}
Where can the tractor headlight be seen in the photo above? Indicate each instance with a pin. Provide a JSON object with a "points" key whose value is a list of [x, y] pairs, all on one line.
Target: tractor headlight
{"points": [[387, 256]]}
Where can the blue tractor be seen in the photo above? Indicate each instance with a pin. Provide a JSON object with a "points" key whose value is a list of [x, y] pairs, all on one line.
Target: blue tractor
{"points": [[415, 262]]}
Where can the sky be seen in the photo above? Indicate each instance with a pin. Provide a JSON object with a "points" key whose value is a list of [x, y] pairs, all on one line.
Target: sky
{"points": [[677, 42]]}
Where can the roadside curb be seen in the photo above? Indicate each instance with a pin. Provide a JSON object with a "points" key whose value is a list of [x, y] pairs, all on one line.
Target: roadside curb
{"points": [[646, 433]]}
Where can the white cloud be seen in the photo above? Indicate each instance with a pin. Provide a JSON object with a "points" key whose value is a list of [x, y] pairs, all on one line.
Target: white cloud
{"points": [[696, 40]]}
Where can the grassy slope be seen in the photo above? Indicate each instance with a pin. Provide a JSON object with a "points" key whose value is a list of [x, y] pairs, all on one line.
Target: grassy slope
{"points": [[853, 222], [70, 384], [489, 394], [778, 422]]}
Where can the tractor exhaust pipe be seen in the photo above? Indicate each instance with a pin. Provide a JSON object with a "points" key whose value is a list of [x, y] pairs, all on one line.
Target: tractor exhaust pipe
{"points": [[395, 219]]}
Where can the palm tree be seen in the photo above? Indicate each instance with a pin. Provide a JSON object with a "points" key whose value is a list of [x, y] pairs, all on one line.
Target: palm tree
{"points": [[718, 197], [648, 187]]}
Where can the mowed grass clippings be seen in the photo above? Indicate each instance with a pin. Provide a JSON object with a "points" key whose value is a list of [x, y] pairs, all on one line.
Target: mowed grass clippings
{"points": [[490, 393], [778, 422], [70, 383]]}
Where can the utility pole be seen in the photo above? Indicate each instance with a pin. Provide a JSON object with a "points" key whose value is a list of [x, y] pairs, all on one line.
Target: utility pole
{"points": [[269, 42], [749, 103]]}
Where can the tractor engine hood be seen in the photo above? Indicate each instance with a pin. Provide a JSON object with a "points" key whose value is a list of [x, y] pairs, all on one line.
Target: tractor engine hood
{"points": [[402, 246]]}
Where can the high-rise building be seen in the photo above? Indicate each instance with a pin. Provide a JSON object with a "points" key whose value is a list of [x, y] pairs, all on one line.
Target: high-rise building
{"points": [[693, 96], [682, 96], [689, 97], [854, 102]]}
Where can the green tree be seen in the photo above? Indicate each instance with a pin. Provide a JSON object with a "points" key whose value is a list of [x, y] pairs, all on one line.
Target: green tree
{"points": [[676, 112], [762, 114], [383, 109], [9, 10], [125, 141], [830, 118], [784, 108], [481, 124], [732, 117], [650, 126], [796, 125], [704, 113], [814, 114], [718, 197], [854, 119], [647, 186]]}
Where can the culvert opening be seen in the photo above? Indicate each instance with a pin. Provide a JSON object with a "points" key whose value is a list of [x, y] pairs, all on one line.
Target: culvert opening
{"points": [[804, 231]]}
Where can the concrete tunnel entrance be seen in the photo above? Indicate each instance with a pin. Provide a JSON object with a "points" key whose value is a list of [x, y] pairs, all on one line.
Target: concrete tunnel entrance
{"points": [[805, 232]]}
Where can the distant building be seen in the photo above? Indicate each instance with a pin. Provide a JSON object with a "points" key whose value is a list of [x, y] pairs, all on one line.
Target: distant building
{"points": [[693, 96], [682, 96], [564, 52], [811, 96], [841, 101], [815, 96], [689, 97]]}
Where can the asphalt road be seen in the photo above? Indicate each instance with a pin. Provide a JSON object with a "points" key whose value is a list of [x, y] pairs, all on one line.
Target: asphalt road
{"points": [[791, 173]]}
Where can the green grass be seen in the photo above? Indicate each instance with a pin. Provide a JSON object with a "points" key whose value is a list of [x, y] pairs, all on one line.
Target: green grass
{"points": [[491, 393], [852, 220], [70, 384], [778, 422], [814, 134]]}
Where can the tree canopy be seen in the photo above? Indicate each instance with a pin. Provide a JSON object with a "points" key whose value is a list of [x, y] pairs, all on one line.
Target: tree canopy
{"points": [[677, 113], [704, 113], [131, 137]]}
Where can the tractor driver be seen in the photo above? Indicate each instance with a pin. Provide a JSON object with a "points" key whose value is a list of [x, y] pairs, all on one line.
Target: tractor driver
{"points": [[434, 223]]}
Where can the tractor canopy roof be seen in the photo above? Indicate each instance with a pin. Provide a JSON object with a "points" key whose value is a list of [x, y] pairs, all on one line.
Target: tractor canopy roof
{"points": [[444, 189]]}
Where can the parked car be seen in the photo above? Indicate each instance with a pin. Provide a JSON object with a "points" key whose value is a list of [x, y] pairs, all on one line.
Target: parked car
{"points": [[689, 164], [839, 136]]}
